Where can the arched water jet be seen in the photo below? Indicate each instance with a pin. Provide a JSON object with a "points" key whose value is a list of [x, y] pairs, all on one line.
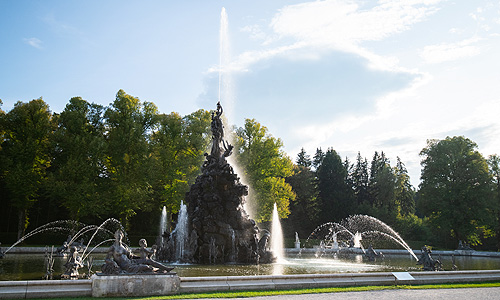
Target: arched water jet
{"points": [[361, 225], [100, 227], [52, 226]]}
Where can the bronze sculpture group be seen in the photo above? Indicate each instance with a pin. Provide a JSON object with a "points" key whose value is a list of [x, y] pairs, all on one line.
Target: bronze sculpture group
{"points": [[121, 260]]}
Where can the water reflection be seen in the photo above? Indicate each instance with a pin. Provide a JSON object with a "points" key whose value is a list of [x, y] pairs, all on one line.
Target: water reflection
{"points": [[31, 267]]}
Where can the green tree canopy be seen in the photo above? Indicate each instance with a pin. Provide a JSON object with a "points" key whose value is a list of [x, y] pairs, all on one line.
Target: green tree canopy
{"points": [[77, 172], [305, 209], [266, 166], [26, 154], [129, 123], [360, 180], [494, 165], [335, 194], [2, 129], [179, 145], [318, 158], [382, 182], [455, 189], [404, 193], [304, 159]]}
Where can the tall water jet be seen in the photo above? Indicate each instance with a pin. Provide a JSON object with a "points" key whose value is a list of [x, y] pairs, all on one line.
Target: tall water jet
{"points": [[277, 246], [181, 233], [357, 240], [225, 92], [226, 95], [163, 225]]}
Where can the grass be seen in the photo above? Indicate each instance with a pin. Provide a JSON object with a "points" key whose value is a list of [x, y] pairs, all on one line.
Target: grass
{"points": [[248, 294]]}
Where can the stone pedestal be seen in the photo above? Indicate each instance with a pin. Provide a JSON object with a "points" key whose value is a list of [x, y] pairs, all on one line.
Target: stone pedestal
{"points": [[135, 285]]}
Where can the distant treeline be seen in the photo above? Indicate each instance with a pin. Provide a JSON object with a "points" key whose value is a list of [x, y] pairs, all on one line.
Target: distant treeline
{"points": [[127, 161]]}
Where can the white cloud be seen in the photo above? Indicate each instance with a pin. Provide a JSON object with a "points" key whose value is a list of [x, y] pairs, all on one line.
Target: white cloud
{"points": [[339, 22], [246, 59], [341, 25], [255, 32], [33, 42], [451, 51], [319, 134], [456, 31]]}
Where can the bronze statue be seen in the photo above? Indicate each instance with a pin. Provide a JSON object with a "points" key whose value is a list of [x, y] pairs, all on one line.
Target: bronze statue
{"points": [[220, 230], [121, 260], [145, 257], [427, 262], [371, 254], [73, 264], [217, 131]]}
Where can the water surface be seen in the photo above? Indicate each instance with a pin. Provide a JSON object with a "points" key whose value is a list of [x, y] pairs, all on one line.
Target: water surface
{"points": [[31, 266]]}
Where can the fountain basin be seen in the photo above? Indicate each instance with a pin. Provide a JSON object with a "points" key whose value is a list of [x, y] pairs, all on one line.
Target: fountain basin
{"points": [[135, 285], [181, 285], [31, 266], [45, 289]]}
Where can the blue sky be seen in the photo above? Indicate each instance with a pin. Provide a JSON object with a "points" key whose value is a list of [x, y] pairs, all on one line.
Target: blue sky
{"points": [[352, 75]]}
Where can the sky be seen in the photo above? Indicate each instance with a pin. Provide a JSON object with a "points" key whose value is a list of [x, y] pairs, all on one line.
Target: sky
{"points": [[354, 76]]}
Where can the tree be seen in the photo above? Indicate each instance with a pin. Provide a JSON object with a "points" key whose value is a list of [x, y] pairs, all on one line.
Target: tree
{"points": [[26, 155], [335, 194], [494, 166], [178, 148], [304, 211], [404, 193], [2, 129], [303, 159], [382, 182], [76, 177], [455, 189], [360, 180], [318, 158], [265, 166], [128, 124]]}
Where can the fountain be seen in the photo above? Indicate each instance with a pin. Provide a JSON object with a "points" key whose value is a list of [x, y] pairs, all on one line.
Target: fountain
{"points": [[213, 227], [352, 230], [181, 233], [65, 226], [163, 226], [69, 226], [220, 230], [277, 247]]}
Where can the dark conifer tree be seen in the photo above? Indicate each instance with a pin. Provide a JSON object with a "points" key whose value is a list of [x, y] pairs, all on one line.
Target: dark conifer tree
{"points": [[318, 158], [336, 196], [404, 193], [360, 180], [304, 159]]}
